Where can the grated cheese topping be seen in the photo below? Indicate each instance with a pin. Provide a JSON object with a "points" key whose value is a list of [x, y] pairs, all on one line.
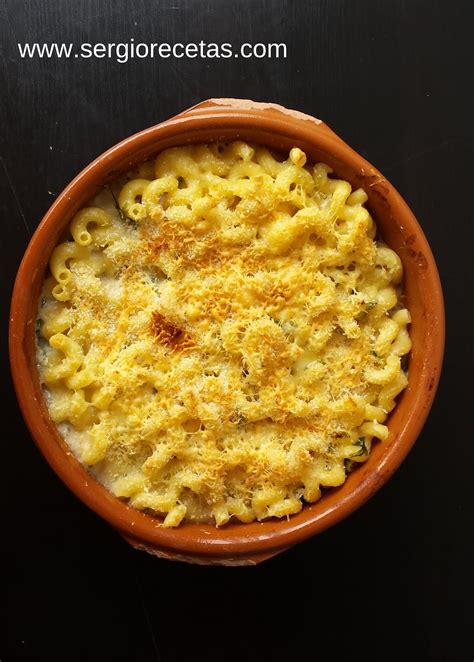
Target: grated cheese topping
{"points": [[221, 335]]}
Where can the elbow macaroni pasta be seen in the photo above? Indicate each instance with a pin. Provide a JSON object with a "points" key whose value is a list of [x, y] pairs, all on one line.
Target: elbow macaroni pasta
{"points": [[221, 336]]}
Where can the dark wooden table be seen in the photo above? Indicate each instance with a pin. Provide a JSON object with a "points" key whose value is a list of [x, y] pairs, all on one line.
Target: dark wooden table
{"points": [[392, 582]]}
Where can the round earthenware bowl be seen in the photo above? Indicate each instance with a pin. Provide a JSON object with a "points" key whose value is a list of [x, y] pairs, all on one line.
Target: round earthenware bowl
{"points": [[280, 129]]}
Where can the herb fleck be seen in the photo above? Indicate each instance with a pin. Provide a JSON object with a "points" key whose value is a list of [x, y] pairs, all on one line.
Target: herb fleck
{"points": [[362, 447]]}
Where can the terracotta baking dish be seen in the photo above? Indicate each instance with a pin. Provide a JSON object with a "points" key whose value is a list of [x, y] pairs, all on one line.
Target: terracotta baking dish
{"points": [[280, 129]]}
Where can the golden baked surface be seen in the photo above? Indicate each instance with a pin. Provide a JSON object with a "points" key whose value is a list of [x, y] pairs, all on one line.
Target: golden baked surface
{"points": [[221, 336]]}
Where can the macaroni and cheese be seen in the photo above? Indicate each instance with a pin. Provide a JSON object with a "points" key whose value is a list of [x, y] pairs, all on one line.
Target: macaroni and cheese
{"points": [[221, 335]]}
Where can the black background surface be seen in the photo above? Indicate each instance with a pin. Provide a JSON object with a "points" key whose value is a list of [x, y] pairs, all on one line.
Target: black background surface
{"points": [[394, 581]]}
